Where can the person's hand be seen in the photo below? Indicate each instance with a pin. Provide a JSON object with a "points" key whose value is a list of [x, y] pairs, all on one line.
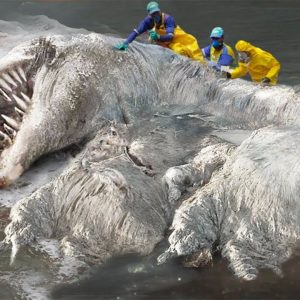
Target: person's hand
{"points": [[154, 36], [228, 75], [266, 81], [121, 46], [224, 69], [225, 74], [214, 65]]}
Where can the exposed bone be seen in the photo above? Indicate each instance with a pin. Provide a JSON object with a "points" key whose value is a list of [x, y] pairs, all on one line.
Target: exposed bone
{"points": [[20, 102], [9, 79], [16, 75], [5, 137], [26, 98], [10, 121], [19, 112], [22, 73], [5, 95], [9, 130], [5, 85]]}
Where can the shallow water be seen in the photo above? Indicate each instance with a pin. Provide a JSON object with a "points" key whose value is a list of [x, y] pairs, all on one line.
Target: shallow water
{"points": [[113, 281], [268, 24]]}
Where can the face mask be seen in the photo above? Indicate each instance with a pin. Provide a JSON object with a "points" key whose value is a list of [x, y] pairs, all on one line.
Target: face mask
{"points": [[216, 44], [156, 18], [243, 57]]}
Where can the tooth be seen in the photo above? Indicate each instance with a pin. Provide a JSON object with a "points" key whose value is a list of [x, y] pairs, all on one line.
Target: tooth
{"points": [[10, 121], [26, 98], [19, 111], [5, 85], [5, 137], [9, 79], [16, 75], [20, 102], [22, 73], [5, 95], [9, 130]]}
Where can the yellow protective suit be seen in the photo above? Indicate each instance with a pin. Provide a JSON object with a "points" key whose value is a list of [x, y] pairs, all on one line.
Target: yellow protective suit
{"points": [[215, 53], [262, 64], [182, 42]]}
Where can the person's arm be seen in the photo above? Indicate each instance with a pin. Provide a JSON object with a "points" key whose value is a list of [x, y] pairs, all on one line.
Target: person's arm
{"points": [[170, 28], [225, 60], [206, 52], [145, 25], [274, 70], [239, 71]]}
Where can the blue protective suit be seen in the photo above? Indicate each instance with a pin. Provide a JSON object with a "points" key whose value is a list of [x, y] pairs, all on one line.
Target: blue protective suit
{"points": [[219, 57]]}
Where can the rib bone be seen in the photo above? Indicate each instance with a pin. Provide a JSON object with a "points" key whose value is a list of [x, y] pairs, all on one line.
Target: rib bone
{"points": [[5, 137], [10, 121], [9, 130], [22, 73], [19, 112], [5, 85], [9, 79], [5, 95], [16, 75], [26, 98], [20, 102]]}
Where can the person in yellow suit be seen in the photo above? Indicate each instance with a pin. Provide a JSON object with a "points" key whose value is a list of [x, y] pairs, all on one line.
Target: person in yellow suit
{"points": [[262, 66], [165, 32]]}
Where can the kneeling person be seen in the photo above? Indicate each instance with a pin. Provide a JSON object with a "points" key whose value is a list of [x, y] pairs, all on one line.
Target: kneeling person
{"points": [[164, 32]]}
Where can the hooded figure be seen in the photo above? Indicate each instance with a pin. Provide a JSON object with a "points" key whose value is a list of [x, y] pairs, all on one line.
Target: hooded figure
{"points": [[262, 66], [165, 32]]}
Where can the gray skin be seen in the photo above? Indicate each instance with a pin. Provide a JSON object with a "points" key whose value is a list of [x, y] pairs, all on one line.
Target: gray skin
{"points": [[110, 201], [74, 83], [115, 200], [86, 83], [250, 209]]}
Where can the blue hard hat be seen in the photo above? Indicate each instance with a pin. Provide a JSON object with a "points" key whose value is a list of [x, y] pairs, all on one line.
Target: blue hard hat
{"points": [[152, 7], [217, 32]]}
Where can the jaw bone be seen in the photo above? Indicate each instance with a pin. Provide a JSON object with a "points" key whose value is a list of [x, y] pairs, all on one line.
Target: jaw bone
{"points": [[10, 88], [10, 130], [5, 138], [11, 122], [63, 106], [16, 88]]}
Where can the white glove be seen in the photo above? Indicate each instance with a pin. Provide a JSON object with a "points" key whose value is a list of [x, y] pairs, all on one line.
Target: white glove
{"points": [[225, 68]]}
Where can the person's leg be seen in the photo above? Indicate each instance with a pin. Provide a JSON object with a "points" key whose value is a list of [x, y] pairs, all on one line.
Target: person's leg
{"points": [[194, 51], [178, 48], [189, 48]]}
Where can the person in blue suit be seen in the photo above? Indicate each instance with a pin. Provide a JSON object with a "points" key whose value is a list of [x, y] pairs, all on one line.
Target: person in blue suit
{"points": [[218, 53]]}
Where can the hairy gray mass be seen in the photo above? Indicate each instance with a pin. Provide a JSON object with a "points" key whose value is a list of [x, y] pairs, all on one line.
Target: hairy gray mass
{"points": [[72, 84], [142, 121], [110, 201], [249, 209]]}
